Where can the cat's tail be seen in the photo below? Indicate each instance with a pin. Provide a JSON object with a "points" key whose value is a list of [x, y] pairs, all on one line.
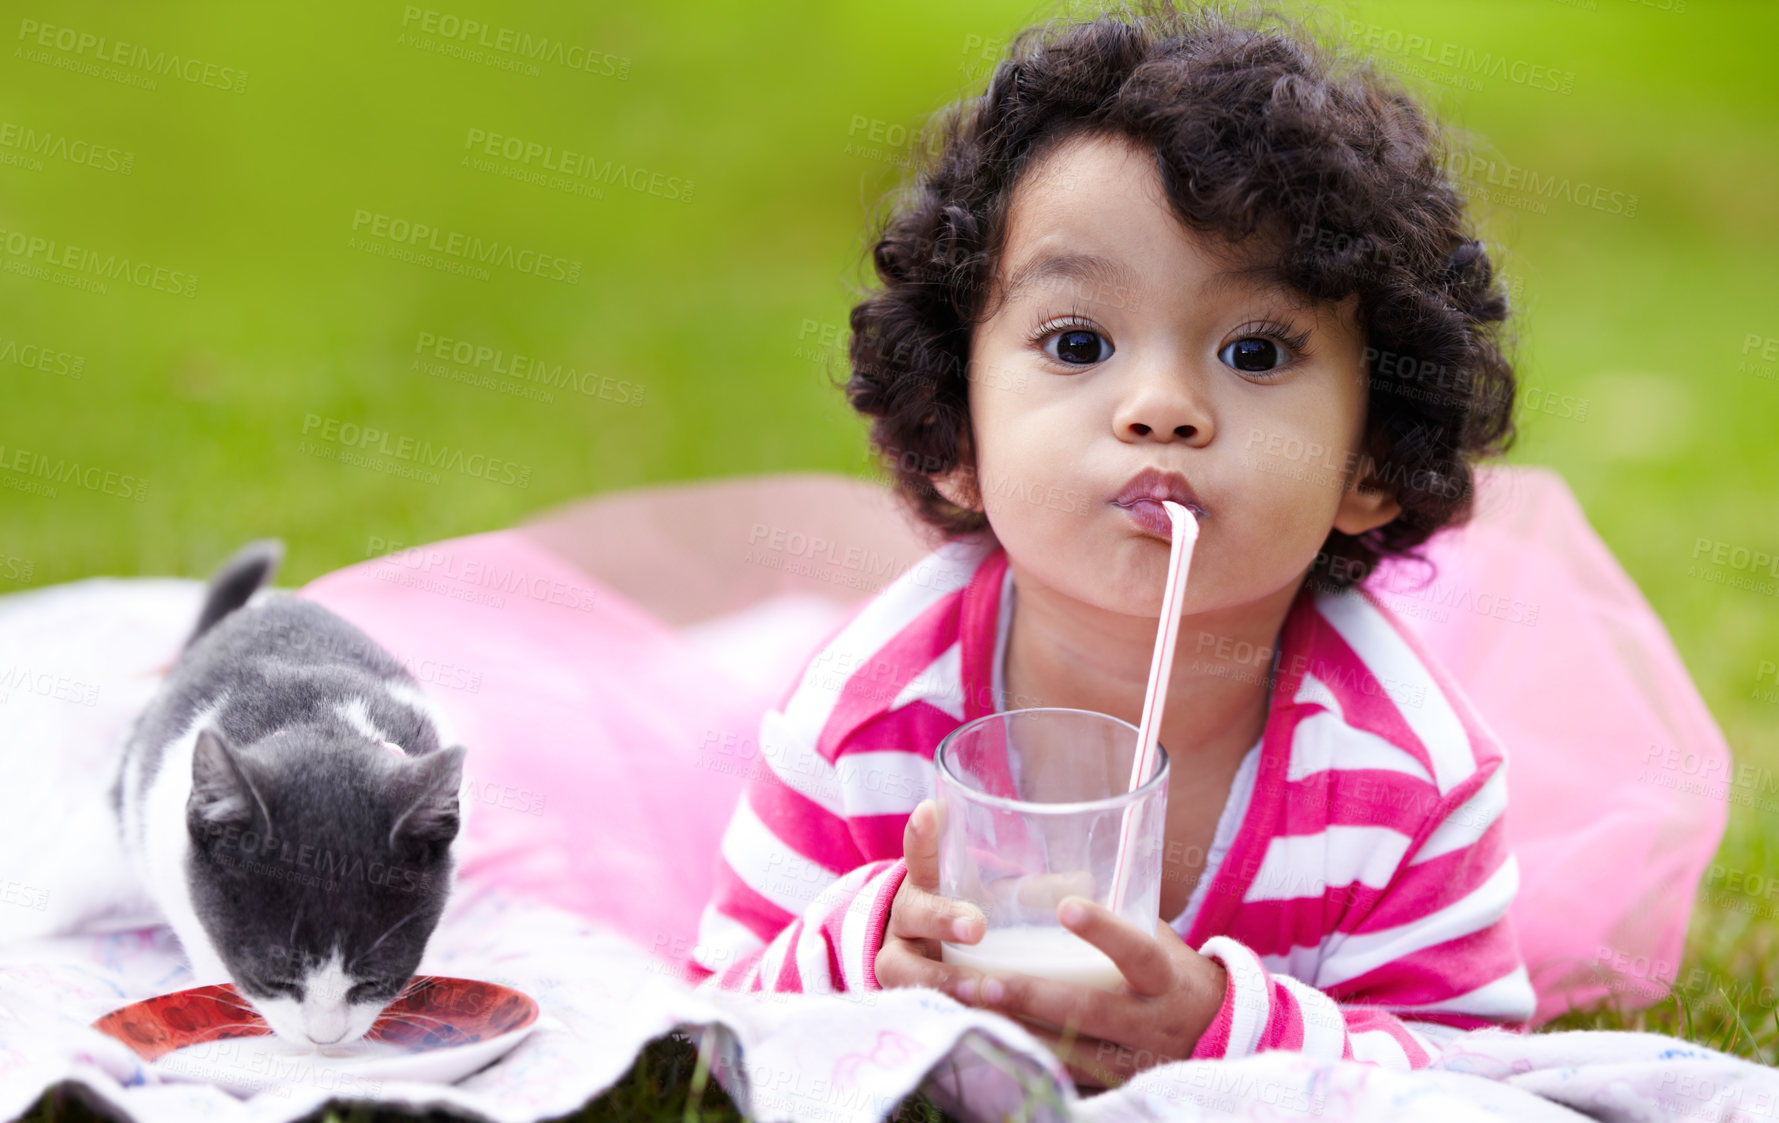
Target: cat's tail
{"points": [[238, 579]]}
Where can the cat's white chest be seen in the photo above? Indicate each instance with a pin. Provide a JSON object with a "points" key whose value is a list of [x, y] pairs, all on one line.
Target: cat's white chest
{"points": [[162, 845]]}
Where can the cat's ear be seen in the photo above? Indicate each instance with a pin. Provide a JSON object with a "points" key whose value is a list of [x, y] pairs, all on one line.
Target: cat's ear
{"points": [[433, 781], [222, 791]]}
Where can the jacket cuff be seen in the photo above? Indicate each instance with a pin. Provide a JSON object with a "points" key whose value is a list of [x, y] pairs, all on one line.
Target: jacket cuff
{"points": [[1241, 1020], [874, 905]]}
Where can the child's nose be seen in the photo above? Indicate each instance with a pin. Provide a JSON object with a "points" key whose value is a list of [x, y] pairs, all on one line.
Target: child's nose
{"points": [[1165, 406], [1183, 432]]}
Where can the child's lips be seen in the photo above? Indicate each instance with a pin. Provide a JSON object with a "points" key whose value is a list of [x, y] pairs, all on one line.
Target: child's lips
{"points": [[1152, 517]]}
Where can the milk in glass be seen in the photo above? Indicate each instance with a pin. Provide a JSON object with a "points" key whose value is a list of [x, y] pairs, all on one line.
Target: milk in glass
{"points": [[1043, 950]]}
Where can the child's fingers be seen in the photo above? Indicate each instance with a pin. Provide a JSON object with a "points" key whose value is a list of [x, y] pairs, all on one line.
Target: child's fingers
{"points": [[919, 915], [900, 964], [1087, 1011], [1141, 958], [1032, 898], [920, 846]]}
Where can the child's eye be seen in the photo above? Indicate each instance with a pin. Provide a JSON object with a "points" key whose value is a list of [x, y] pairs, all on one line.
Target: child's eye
{"points": [[1074, 344], [1269, 347], [1080, 346], [1253, 355]]}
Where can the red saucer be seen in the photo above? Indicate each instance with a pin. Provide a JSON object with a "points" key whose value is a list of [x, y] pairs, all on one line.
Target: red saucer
{"points": [[446, 1012]]}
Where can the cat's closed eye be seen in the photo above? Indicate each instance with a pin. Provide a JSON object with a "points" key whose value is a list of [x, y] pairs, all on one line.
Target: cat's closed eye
{"points": [[288, 987]]}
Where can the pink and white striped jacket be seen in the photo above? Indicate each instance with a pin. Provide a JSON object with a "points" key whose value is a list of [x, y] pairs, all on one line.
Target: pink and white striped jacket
{"points": [[1357, 890]]}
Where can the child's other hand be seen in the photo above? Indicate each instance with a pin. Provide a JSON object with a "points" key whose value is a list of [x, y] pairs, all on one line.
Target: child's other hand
{"points": [[920, 918], [1170, 996]]}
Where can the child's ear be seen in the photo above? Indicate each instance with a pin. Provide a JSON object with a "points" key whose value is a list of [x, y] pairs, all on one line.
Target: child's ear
{"points": [[1365, 506], [959, 485], [1368, 503]]}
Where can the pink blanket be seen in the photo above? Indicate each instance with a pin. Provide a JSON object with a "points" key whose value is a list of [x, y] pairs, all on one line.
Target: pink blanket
{"points": [[607, 746], [601, 743]]}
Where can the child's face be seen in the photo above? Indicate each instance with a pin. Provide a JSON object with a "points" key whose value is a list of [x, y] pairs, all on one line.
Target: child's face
{"points": [[1077, 385]]}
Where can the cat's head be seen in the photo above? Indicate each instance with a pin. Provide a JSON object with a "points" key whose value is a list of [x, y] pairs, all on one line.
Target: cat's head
{"points": [[319, 866]]}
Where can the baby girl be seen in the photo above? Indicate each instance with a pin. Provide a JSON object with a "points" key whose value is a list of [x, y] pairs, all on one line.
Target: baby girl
{"points": [[1165, 257]]}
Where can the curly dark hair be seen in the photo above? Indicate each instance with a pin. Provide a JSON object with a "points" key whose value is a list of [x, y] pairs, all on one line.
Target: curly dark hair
{"points": [[1264, 137]]}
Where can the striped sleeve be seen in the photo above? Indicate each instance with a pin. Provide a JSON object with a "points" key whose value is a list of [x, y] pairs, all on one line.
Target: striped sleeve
{"points": [[1263, 1011], [797, 906], [1434, 953], [830, 947], [811, 859]]}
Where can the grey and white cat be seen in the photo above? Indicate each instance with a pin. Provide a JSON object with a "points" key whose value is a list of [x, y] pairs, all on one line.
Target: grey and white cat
{"points": [[289, 803]]}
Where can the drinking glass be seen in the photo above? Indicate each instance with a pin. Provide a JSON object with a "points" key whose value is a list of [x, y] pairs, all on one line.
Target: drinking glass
{"points": [[1032, 803]]}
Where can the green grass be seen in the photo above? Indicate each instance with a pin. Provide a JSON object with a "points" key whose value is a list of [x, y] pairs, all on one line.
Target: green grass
{"points": [[717, 307]]}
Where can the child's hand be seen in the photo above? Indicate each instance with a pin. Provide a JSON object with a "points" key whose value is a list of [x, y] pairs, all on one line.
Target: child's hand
{"points": [[1170, 996], [920, 918]]}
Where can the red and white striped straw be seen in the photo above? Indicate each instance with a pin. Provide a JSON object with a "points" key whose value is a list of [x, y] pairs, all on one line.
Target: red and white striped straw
{"points": [[1179, 561]]}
